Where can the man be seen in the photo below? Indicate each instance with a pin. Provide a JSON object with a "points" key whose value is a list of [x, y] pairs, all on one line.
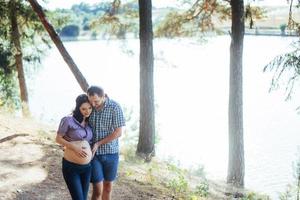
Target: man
{"points": [[107, 121]]}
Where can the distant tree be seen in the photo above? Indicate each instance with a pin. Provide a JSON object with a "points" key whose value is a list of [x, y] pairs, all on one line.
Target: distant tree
{"points": [[61, 17], [253, 13], [282, 28], [7, 78], [286, 67], [293, 24], [18, 54], [17, 24], [7, 81], [82, 7], [146, 143], [70, 31], [86, 27], [201, 17], [117, 20]]}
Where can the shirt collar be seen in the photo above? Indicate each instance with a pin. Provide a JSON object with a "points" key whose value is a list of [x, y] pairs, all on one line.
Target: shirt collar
{"points": [[106, 102], [77, 122]]}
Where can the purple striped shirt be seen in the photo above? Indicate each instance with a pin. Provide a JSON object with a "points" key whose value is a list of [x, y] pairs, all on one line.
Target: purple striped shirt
{"points": [[72, 130]]}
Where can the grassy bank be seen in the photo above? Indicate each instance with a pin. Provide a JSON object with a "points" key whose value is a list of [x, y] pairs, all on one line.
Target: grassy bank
{"points": [[30, 168]]}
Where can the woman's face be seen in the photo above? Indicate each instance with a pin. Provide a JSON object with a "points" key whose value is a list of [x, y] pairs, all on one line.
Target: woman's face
{"points": [[85, 109]]}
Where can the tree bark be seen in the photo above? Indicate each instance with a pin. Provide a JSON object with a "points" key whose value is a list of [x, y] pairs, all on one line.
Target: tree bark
{"points": [[55, 38], [18, 54], [146, 143], [236, 165]]}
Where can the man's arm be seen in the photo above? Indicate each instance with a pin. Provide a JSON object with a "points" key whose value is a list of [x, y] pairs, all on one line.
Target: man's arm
{"points": [[114, 135]]}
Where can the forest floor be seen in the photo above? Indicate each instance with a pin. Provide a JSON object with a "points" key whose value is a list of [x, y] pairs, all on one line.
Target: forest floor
{"points": [[30, 169]]}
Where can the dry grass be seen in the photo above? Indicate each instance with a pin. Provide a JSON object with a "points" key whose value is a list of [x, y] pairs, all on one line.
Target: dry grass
{"points": [[30, 168]]}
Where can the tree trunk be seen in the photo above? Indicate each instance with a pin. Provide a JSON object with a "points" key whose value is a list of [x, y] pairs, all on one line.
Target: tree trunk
{"points": [[236, 165], [146, 143], [15, 36], [55, 38]]}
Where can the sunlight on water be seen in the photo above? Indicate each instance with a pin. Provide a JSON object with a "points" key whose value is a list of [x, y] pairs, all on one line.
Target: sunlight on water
{"points": [[191, 88]]}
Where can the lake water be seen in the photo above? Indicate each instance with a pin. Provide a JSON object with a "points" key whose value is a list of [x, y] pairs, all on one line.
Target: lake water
{"points": [[191, 96]]}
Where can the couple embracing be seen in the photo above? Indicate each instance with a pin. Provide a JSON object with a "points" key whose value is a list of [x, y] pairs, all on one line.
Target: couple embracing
{"points": [[90, 139]]}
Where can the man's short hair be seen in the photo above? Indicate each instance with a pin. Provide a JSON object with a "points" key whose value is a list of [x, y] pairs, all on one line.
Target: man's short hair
{"points": [[95, 90]]}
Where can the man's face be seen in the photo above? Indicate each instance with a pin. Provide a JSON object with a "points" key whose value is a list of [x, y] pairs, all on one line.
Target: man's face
{"points": [[96, 101]]}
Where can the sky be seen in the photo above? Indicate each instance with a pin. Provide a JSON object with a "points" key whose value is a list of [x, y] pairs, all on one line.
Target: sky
{"points": [[52, 4]]}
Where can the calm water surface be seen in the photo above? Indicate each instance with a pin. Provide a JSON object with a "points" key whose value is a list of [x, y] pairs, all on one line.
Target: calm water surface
{"points": [[191, 88]]}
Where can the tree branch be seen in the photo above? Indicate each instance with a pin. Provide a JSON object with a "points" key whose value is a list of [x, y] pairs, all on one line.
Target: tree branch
{"points": [[12, 137], [61, 48]]}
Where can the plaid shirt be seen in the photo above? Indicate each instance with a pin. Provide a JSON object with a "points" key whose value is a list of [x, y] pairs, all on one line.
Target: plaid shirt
{"points": [[104, 122]]}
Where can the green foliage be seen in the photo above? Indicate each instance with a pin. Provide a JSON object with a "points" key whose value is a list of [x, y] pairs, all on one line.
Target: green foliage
{"points": [[253, 13], [172, 26], [61, 17], [109, 18], [179, 184], [94, 35], [5, 55], [255, 196], [93, 9], [286, 67], [296, 168], [282, 27], [128, 152], [288, 194], [118, 20], [152, 170], [86, 27], [198, 171], [33, 40], [8, 88], [130, 136], [293, 189], [202, 189], [293, 23], [7, 72], [202, 17], [199, 18], [112, 19], [70, 31]]}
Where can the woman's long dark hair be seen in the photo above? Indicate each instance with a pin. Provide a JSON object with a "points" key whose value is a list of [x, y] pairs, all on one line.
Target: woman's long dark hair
{"points": [[81, 99]]}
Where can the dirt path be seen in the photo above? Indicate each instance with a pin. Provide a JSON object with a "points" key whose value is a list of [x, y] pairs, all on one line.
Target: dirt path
{"points": [[30, 167]]}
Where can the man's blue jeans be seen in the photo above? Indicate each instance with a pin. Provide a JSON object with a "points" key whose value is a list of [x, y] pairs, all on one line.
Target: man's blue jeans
{"points": [[104, 167], [77, 178]]}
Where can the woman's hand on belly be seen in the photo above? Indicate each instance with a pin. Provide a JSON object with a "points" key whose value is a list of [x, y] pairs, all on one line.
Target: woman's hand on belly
{"points": [[78, 150]]}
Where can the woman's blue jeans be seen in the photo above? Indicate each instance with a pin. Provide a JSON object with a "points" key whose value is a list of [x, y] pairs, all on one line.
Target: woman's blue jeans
{"points": [[77, 178]]}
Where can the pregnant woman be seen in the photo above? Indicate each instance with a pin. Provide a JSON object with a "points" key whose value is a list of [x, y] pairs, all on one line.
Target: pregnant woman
{"points": [[75, 135]]}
